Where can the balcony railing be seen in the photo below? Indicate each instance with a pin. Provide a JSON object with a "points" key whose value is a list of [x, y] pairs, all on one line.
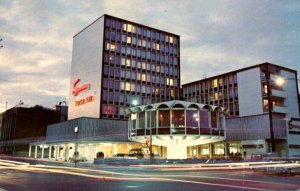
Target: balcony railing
{"points": [[278, 93], [280, 109]]}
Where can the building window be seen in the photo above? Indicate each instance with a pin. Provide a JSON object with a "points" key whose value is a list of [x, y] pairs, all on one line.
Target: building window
{"points": [[170, 82], [122, 85], [215, 83], [144, 77], [157, 47], [128, 62], [128, 39], [127, 86], [144, 65], [192, 118], [132, 87], [265, 88], [163, 118], [105, 95], [213, 119], [144, 43], [204, 122], [216, 96], [111, 46], [108, 109], [123, 38], [178, 118], [129, 28]]}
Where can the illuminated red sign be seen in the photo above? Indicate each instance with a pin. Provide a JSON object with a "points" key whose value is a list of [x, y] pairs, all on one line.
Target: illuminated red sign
{"points": [[85, 100], [77, 90]]}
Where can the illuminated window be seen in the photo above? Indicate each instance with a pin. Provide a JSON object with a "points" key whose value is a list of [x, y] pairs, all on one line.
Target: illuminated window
{"points": [[171, 39], [128, 62], [129, 28], [127, 86], [144, 65], [157, 91], [266, 89], [110, 46], [220, 82], [216, 96], [144, 77], [157, 68], [172, 93], [170, 82], [266, 104], [157, 46], [128, 39], [215, 83]]}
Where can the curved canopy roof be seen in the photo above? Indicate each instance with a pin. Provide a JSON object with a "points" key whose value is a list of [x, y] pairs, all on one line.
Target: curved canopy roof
{"points": [[177, 104]]}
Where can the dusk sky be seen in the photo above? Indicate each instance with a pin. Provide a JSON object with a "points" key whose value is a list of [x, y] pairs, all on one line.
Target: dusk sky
{"points": [[216, 37]]}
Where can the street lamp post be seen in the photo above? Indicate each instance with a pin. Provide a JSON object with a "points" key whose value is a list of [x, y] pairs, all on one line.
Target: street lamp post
{"points": [[76, 145]]}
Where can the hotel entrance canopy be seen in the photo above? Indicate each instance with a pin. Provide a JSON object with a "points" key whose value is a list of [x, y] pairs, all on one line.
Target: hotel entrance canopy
{"points": [[176, 125]]}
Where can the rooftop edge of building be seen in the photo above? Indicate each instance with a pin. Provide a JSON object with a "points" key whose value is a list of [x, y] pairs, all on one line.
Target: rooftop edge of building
{"points": [[241, 70], [106, 15]]}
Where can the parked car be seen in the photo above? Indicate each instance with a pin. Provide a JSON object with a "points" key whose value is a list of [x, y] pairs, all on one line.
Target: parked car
{"points": [[78, 159], [120, 155], [138, 153]]}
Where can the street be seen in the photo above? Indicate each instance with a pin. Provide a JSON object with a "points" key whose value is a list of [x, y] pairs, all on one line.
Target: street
{"points": [[35, 175]]}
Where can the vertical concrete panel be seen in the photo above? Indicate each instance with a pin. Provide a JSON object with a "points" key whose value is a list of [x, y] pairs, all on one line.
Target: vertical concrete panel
{"points": [[87, 66], [250, 92]]}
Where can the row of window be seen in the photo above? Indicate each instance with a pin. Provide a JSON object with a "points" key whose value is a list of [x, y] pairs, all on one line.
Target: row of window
{"points": [[160, 81], [140, 31], [232, 105], [215, 96], [148, 44], [179, 119], [142, 54], [204, 86], [117, 97], [142, 76]]}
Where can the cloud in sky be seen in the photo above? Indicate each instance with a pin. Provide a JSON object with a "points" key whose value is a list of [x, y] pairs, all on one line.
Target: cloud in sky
{"points": [[217, 36]]}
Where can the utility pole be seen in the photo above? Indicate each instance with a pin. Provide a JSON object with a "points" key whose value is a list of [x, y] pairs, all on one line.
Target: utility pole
{"points": [[1, 46]]}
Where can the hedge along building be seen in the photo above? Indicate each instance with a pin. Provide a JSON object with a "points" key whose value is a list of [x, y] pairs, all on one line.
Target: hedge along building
{"points": [[177, 125]]}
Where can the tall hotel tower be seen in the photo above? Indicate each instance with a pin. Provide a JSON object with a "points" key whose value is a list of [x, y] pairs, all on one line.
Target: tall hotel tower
{"points": [[117, 63]]}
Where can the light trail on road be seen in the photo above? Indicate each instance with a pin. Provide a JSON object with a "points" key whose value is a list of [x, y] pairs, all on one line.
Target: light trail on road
{"points": [[227, 182]]}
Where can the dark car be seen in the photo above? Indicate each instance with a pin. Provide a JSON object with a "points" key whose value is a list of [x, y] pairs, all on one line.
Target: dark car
{"points": [[138, 153], [120, 155]]}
